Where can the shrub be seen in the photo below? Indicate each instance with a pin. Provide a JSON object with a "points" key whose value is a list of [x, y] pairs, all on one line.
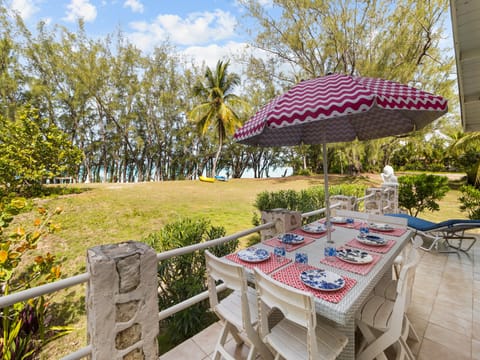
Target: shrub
{"points": [[417, 193], [470, 200], [25, 327], [182, 277], [304, 200]]}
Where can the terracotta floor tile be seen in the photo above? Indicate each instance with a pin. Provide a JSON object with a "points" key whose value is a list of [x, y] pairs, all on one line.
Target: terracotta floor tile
{"points": [[476, 349], [432, 350], [207, 339], [455, 341], [443, 316], [187, 350]]}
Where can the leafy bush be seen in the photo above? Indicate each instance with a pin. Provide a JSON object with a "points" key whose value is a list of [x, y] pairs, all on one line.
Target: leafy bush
{"points": [[417, 193], [32, 150], [183, 276], [25, 327], [470, 200], [304, 200]]}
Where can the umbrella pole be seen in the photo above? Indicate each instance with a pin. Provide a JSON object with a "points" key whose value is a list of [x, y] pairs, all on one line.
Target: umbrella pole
{"points": [[327, 196]]}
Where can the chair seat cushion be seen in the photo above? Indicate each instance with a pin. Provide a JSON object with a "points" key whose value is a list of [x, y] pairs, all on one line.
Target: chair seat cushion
{"points": [[425, 225], [289, 339], [417, 223]]}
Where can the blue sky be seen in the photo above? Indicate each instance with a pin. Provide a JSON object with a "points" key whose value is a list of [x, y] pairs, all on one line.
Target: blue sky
{"points": [[204, 29]]}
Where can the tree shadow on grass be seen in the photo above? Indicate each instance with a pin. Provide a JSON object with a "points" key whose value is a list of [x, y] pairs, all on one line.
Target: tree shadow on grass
{"points": [[69, 309]]}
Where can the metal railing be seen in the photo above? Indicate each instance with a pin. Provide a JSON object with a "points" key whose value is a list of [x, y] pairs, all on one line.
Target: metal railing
{"points": [[50, 288]]}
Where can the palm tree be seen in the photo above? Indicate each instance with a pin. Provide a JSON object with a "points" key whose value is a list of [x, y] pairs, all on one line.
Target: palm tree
{"points": [[217, 109]]}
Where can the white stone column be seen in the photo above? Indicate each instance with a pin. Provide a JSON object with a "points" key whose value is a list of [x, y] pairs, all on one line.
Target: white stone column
{"points": [[374, 203], [390, 198], [122, 302], [346, 202]]}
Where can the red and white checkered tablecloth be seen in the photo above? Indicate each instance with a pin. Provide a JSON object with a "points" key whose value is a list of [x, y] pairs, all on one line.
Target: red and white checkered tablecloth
{"points": [[361, 269], [267, 266], [290, 275], [378, 249]]}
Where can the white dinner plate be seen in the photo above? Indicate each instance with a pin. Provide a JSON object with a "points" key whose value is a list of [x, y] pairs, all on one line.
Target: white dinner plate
{"points": [[354, 256], [338, 220], [290, 238], [324, 280], [381, 227], [373, 240], [314, 229], [253, 255]]}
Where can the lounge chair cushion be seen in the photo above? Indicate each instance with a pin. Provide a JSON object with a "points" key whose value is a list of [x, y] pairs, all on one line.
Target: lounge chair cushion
{"points": [[425, 225]]}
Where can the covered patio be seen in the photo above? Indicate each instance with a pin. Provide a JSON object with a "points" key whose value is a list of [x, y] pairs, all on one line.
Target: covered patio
{"points": [[445, 312]]}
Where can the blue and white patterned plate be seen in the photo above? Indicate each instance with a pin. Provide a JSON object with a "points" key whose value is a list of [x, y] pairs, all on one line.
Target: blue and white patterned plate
{"points": [[354, 256], [373, 240], [253, 255], [324, 280], [381, 227], [290, 238], [314, 229]]}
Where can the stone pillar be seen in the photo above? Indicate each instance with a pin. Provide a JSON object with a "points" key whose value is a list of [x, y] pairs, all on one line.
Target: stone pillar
{"points": [[373, 205], [346, 202], [383, 201], [285, 221], [390, 198], [122, 302]]}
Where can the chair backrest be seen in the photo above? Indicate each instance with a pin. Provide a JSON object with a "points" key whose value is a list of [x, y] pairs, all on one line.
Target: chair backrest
{"points": [[233, 276], [297, 306], [404, 293], [407, 274], [352, 214]]}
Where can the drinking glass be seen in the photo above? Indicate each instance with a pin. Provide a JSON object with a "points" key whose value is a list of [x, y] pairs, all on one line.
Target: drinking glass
{"points": [[350, 222], [279, 252], [330, 250], [301, 260], [364, 229]]}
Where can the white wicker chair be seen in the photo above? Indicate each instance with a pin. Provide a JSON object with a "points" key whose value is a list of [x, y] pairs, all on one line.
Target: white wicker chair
{"points": [[298, 336]]}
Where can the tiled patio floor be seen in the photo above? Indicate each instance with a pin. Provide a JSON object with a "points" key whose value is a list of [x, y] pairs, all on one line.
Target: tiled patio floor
{"points": [[445, 312]]}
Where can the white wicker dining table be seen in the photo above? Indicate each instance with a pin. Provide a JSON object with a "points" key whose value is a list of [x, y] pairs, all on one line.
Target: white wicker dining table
{"points": [[341, 314]]}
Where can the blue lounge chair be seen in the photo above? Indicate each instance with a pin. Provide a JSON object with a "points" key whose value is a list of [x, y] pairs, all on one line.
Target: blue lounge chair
{"points": [[448, 230]]}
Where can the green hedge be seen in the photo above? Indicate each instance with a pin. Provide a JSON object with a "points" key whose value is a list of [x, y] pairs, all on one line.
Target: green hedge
{"points": [[183, 277], [304, 200]]}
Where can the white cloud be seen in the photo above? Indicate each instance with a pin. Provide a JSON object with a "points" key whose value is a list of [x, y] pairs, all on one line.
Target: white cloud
{"points": [[212, 53], [26, 8], [134, 5], [80, 9], [196, 28]]}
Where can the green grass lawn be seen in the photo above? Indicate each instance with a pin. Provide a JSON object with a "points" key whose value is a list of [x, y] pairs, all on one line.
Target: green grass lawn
{"points": [[112, 213]]}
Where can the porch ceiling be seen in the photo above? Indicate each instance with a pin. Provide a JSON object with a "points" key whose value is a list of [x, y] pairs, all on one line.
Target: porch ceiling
{"points": [[466, 36]]}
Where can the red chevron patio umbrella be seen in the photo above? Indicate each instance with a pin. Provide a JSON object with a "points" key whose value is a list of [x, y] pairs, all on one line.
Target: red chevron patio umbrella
{"points": [[340, 108]]}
